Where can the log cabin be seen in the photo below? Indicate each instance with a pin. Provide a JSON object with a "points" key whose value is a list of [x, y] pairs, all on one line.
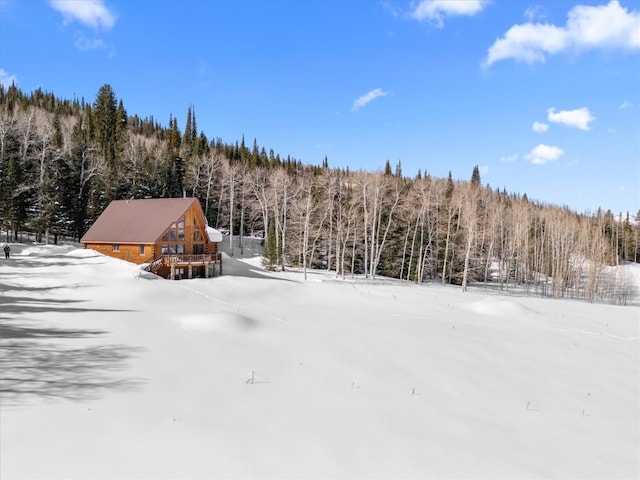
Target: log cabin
{"points": [[169, 236]]}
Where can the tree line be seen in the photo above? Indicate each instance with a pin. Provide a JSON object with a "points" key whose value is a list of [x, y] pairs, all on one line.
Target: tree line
{"points": [[63, 161]]}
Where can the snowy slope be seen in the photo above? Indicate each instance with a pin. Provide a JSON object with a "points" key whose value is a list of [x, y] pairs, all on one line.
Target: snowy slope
{"points": [[108, 372]]}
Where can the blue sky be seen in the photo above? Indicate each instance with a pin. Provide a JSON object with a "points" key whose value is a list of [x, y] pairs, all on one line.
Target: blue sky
{"points": [[543, 95]]}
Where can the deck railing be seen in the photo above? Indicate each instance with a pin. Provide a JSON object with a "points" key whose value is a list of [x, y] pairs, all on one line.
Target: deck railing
{"points": [[199, 259]]}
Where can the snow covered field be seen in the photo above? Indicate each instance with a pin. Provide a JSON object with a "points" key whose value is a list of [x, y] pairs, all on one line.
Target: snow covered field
{"points": [[109, 372]]}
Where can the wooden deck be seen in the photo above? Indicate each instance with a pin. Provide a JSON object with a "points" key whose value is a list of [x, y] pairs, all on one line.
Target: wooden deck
{"points": [[186, 263]]}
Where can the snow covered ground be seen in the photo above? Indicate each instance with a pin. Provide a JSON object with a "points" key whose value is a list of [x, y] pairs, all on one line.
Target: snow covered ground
{"points": [[109, 372]]}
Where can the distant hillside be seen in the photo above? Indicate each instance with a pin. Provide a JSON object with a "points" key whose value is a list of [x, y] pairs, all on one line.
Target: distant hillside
{"points": [[63, 161]]}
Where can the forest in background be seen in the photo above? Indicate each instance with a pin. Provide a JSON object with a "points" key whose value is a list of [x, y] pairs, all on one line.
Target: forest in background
{"points": [[63, 161]]}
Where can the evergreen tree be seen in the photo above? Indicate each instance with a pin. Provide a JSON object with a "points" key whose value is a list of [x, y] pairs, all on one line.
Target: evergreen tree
{"points": [[79, 175], [105, 115], [387, 168], [399, 169], [189, 137], [271, 254], [58, 137], [449, 191], [13, 198], [475, 177]]}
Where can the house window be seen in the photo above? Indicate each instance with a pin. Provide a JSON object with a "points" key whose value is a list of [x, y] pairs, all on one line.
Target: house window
{"points": [[198, 248], [181, 235], [197, 235], [181, 222], [141, 249], [116, 247]]}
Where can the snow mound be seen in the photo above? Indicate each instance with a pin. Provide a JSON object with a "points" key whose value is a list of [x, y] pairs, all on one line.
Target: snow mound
{"points": [[503, 308], [632, 270], [216, 321], [82, 253], [42, 250]]}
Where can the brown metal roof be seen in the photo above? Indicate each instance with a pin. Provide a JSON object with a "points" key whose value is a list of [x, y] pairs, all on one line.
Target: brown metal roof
{"points": [[137, 221]]}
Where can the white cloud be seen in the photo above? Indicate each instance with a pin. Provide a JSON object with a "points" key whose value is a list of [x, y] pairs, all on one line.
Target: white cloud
{"points": [[436, 10], [539, 127], [368, 97], [578, 118], [7, 79], [535, 12], [509, 158], [626, 104], [392, 9], [543, 154], [92, 13], [84, 44], [588, 27]]}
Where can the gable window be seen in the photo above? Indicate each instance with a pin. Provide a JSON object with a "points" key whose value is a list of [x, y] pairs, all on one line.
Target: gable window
{"points": [[116, 247], [141, 249]]}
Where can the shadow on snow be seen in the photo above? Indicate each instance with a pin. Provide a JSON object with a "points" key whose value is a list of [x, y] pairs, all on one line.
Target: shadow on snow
{"points": [[38, 360], [35, 365]]}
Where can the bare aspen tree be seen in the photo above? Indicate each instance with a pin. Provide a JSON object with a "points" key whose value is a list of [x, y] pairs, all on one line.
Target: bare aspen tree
{"points": [[42, 135], [381, 196], [307, 188], [231, 173], [260, 187], [330, 190], [347, 218], [242, 174], [414, 209], [453, 224], [281, 197], [470, 224], [363, 181], [212, 164]]}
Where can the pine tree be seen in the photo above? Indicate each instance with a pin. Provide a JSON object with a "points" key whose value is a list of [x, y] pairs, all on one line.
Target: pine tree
{"points": [[449, 191], [475, 177], [399, 169], [105, 114], [271, 255], [13, 198], [387, 168]]}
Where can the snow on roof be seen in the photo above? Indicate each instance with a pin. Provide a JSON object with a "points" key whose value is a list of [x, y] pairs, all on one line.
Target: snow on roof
{"points": [[214, 235]]}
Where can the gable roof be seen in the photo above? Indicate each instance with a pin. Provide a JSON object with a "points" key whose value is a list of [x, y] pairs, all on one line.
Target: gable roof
{"points": [[137, 221]]}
